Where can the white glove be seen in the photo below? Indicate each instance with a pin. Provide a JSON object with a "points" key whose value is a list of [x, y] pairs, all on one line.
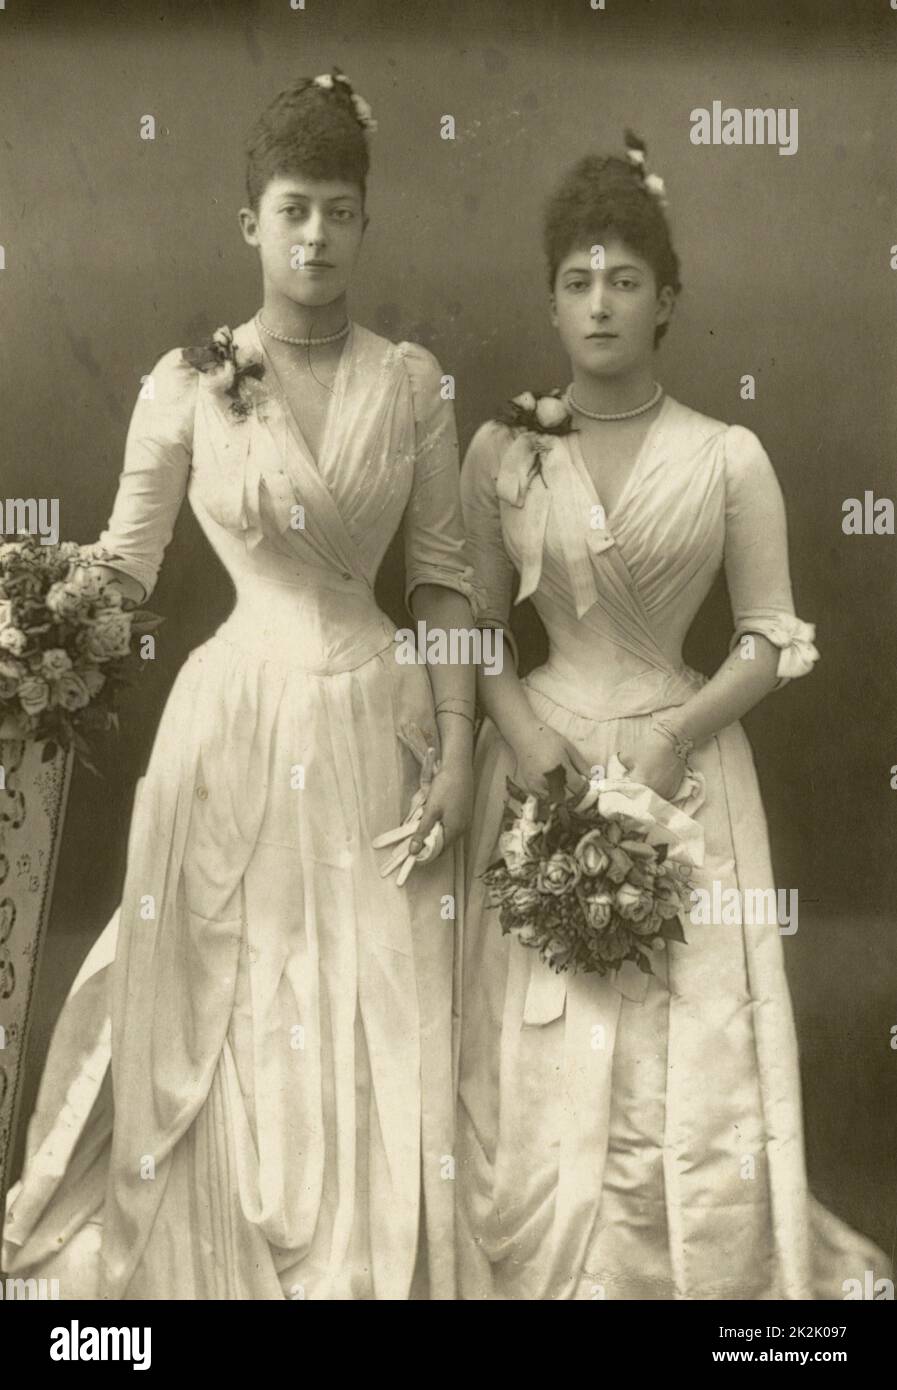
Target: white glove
{"points": [[401, 858]]}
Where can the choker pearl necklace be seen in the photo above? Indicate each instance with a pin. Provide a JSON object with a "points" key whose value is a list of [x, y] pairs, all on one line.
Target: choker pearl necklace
{"points": [[621, 415], [304, 342]]}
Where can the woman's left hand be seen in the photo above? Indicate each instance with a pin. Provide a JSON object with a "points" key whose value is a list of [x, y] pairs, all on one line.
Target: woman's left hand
{"points": [[655, 763], [450, 800]]}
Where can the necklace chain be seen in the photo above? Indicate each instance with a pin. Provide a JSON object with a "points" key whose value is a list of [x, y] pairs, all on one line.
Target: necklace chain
{"points": [[303, 342], [620, 415]]}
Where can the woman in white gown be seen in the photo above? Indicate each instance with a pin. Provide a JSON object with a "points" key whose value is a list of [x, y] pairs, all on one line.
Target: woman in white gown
{"points": [[633, 1136], [249, 1092]]}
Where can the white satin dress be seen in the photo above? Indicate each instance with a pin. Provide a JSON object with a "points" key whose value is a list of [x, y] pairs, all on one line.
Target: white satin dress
{"points": [[635, 1136], [249, 1094]]}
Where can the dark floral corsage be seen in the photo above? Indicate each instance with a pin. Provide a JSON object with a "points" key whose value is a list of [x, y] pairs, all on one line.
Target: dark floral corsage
{"points": [[226, 376], [536, 414]]}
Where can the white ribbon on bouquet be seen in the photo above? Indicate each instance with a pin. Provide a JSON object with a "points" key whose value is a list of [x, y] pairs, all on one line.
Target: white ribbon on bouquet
{"points": [[662, 822]]}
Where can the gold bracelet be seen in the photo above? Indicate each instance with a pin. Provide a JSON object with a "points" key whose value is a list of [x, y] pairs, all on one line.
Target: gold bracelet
{"points": [[460, 714]]}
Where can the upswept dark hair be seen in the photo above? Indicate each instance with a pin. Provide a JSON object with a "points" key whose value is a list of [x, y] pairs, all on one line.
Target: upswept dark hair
{"points": [[603, 196], [309, 130]]}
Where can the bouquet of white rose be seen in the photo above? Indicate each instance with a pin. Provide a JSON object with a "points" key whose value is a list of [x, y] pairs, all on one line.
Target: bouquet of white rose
{"points": [[587, 891], [68, 644]]}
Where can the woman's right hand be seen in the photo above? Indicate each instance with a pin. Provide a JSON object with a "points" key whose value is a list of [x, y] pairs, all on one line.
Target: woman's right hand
{"points": [[541, 748]]}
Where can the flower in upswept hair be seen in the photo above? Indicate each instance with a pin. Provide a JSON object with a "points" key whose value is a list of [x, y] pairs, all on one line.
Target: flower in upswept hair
{"points": [[636, 149], [363, 112], [637, 153], [655, 185]]}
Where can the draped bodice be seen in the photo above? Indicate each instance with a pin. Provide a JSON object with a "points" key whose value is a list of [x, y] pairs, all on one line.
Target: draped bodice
{"points": [[617, 593], [301, 538]]}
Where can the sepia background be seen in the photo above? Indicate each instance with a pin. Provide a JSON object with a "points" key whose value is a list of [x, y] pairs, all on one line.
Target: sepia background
{"points": [[118, 249]]}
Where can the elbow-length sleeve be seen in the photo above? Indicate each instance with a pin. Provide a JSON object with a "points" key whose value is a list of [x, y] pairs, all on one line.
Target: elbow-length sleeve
{"points": [[756, 556], [435, 544], [482, 520], [153, 480]]}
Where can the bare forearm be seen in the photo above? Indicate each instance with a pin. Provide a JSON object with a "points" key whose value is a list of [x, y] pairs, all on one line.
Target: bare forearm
{"points": [[504, 700], [453, 684], [737, 687]]}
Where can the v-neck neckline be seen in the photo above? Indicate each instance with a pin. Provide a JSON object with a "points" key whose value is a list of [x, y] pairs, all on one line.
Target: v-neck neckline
{"points": [[336, 395], [645, 447]]}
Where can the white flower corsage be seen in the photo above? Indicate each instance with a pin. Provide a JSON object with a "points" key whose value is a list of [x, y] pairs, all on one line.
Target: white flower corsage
{"points": [[538, 417], [542, 413]]}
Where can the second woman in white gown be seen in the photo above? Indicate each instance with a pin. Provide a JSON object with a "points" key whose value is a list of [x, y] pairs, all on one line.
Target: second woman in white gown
{"points": [[634, 1136]]}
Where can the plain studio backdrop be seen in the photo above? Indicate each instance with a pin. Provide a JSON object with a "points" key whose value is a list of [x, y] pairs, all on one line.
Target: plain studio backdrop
{"points": [[118, 249]]}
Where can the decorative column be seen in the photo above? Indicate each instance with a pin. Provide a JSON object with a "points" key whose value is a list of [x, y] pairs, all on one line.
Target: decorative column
{"points": [[33, 795]]}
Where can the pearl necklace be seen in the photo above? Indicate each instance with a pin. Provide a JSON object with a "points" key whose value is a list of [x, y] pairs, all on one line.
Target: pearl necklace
{"points": [[304, 342], [621, 415]]}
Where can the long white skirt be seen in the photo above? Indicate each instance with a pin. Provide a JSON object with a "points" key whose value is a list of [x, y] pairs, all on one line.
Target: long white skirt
{"points": [[249, 1090], [638, 1137]]}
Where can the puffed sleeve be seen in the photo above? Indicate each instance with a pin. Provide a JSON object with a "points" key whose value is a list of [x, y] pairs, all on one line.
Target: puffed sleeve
{"points": [[756, 556], [482, 521], [153, 481], [435, 545]]}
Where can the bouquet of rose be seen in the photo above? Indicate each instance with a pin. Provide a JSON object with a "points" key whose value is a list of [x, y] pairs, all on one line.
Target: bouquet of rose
{"points": [[585, 890], [68, 643]]}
